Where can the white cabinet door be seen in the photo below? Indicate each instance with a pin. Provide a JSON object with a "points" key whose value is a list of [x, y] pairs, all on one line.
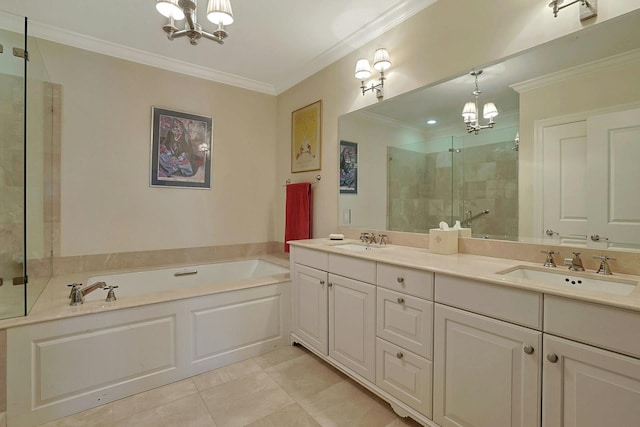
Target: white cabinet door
{"points": [[486, 372], [565, 192], [588, 387], [310, 307], [352, 325], [613, 150]]}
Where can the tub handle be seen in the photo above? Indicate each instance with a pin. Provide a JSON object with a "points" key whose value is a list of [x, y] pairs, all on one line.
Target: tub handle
{"points": [[185, 273]]}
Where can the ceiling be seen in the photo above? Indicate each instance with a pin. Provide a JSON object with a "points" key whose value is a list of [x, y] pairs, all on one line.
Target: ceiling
{"points": [[272, 45]]}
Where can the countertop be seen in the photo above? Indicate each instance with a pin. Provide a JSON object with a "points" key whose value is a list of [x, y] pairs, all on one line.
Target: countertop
{"points": [[482, 268], [53, 302]]}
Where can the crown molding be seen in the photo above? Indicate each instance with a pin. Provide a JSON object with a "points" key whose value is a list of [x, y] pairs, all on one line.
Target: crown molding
{"points": [[569, 73], [383, 23]]}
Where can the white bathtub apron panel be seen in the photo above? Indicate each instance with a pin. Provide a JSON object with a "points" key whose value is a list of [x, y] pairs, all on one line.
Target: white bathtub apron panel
{"points": [[66, 366]]}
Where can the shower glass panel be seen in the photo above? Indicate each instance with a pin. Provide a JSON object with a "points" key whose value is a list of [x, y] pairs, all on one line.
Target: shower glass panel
{"points": [[421, 184], [488, 177], [25, 169]]}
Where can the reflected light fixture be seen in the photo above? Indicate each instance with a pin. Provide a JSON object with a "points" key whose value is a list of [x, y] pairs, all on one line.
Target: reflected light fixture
{"points": [[218, 12], [381, 63], [470, 111], [588, 8]]}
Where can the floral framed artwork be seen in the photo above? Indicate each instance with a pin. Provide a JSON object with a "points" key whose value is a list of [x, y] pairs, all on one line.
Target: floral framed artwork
{"points": [[348, 167], [181, 146], [306, 138]]}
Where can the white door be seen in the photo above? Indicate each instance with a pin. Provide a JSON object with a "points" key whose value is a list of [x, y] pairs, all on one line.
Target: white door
{"points": [[310, 306], [565, 191], [588, 387], [613, 155], [352, 325], [486, 372]]}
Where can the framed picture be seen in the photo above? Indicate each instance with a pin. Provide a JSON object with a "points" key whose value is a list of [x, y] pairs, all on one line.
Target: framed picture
{"points": [[181, 146], [348, 167], [306, 138]]}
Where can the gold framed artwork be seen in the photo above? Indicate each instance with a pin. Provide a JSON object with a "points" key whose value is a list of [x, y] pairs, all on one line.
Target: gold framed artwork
{"points": [[306, 138]]}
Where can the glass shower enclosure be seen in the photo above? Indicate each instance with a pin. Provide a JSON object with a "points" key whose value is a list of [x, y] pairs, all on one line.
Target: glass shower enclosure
{"points": [[26, 168]]}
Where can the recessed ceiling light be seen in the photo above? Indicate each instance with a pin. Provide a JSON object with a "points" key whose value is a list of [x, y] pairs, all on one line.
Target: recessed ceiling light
{"points": [[432, 122]]}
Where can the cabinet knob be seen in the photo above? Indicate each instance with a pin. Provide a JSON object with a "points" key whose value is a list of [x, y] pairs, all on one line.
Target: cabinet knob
{"points": [[400, 280], [528, 349], [399, 355], [552, 358], [400, 300], [322, 282], [330, 284]]}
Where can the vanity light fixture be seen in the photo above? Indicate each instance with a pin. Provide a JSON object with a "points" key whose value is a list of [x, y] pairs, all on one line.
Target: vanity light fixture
{"points": [[218, 12], [470, 111], [588, 8], [381, 63]]}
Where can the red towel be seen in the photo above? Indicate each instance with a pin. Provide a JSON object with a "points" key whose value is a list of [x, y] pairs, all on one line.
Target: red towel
{"points": [[298, 213]]}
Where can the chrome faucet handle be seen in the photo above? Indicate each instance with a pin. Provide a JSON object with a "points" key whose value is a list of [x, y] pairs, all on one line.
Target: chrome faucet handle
{"points": [[604, 265], [76, 294], [576, 262], [372, 238], [383, 239], [364, 237], [549, 262], [111, 295]]}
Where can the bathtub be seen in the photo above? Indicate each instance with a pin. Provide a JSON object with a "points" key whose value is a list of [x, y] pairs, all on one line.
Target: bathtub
{"points": [[172, 279], [167, 325]]}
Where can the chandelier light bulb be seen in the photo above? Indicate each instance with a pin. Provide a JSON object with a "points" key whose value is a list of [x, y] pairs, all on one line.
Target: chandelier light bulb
{"points": [[170, 9], [219, 12]]}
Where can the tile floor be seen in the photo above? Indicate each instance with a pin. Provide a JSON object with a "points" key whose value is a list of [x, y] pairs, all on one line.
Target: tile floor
{"points": [[289, 387]]}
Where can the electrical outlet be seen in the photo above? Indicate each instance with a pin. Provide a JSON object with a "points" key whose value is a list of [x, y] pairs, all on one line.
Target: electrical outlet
{"points": [[346, 216]]}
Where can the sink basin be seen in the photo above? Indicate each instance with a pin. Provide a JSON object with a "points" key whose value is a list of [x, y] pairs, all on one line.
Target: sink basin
{"points": [[572, 280], [358, 248]]}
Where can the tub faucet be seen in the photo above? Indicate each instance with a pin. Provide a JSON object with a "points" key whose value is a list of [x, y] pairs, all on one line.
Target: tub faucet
{"points": [[78, 292]]}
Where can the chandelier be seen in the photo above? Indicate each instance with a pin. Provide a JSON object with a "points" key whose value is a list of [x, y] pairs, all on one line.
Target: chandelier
{"points": [[218, 12], [470, 111]]}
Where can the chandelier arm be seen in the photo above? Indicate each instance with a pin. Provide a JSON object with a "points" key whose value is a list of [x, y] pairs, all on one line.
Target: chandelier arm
{"points": [[212, 37], [178, 33], [188, 14]]}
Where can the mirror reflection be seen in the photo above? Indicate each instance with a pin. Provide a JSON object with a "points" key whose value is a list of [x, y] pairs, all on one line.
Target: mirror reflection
{"points": [[413, 173]]}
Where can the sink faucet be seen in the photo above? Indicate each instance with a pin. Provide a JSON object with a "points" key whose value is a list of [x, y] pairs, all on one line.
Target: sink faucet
{"points": [[78, 292], [549, 262], [604, 265], [576, 262]]}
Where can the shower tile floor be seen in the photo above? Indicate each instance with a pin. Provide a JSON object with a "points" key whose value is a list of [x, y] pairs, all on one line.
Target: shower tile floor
{"points": [[287, 387]]}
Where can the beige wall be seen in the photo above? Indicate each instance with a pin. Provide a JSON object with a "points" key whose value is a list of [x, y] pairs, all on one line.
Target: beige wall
{"points": [[448, 38], [107, 205], [584, 92]]}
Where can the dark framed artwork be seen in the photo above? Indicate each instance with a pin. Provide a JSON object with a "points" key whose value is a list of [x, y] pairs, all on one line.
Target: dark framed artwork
{"points": [[181, 146], [306, 138], [348, 167]]}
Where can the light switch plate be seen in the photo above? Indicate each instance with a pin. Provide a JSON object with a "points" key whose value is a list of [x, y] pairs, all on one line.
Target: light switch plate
{"points": [[588, 12], [346, 216]]}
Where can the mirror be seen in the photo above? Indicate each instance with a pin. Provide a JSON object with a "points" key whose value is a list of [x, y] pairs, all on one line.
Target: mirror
{"points": [[410, 176]]}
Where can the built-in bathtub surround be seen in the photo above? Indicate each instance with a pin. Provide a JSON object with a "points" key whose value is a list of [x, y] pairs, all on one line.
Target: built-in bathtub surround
{"points": [[124, 260]]}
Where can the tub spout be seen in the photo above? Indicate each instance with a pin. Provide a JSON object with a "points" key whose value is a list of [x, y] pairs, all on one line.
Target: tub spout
{"points": [[90, 288]]}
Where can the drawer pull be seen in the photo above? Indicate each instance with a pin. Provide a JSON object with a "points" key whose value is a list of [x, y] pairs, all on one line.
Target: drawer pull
{"points": [[399, 355], [400, 300], [330, 284], [400, 280], [322, 282], [552, 358], [528, 349]]}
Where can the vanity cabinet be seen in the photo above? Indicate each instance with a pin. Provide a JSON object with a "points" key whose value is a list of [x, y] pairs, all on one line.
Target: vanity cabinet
{"points": [[404, 347], [334, 310], [486, 371]]}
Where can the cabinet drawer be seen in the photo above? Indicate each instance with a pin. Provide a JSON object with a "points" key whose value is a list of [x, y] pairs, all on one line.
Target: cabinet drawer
{"points": [[410, 281], [612, 328], [405, 321], [404, 375], [310, 257], [352, 267], [500, 302]]}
